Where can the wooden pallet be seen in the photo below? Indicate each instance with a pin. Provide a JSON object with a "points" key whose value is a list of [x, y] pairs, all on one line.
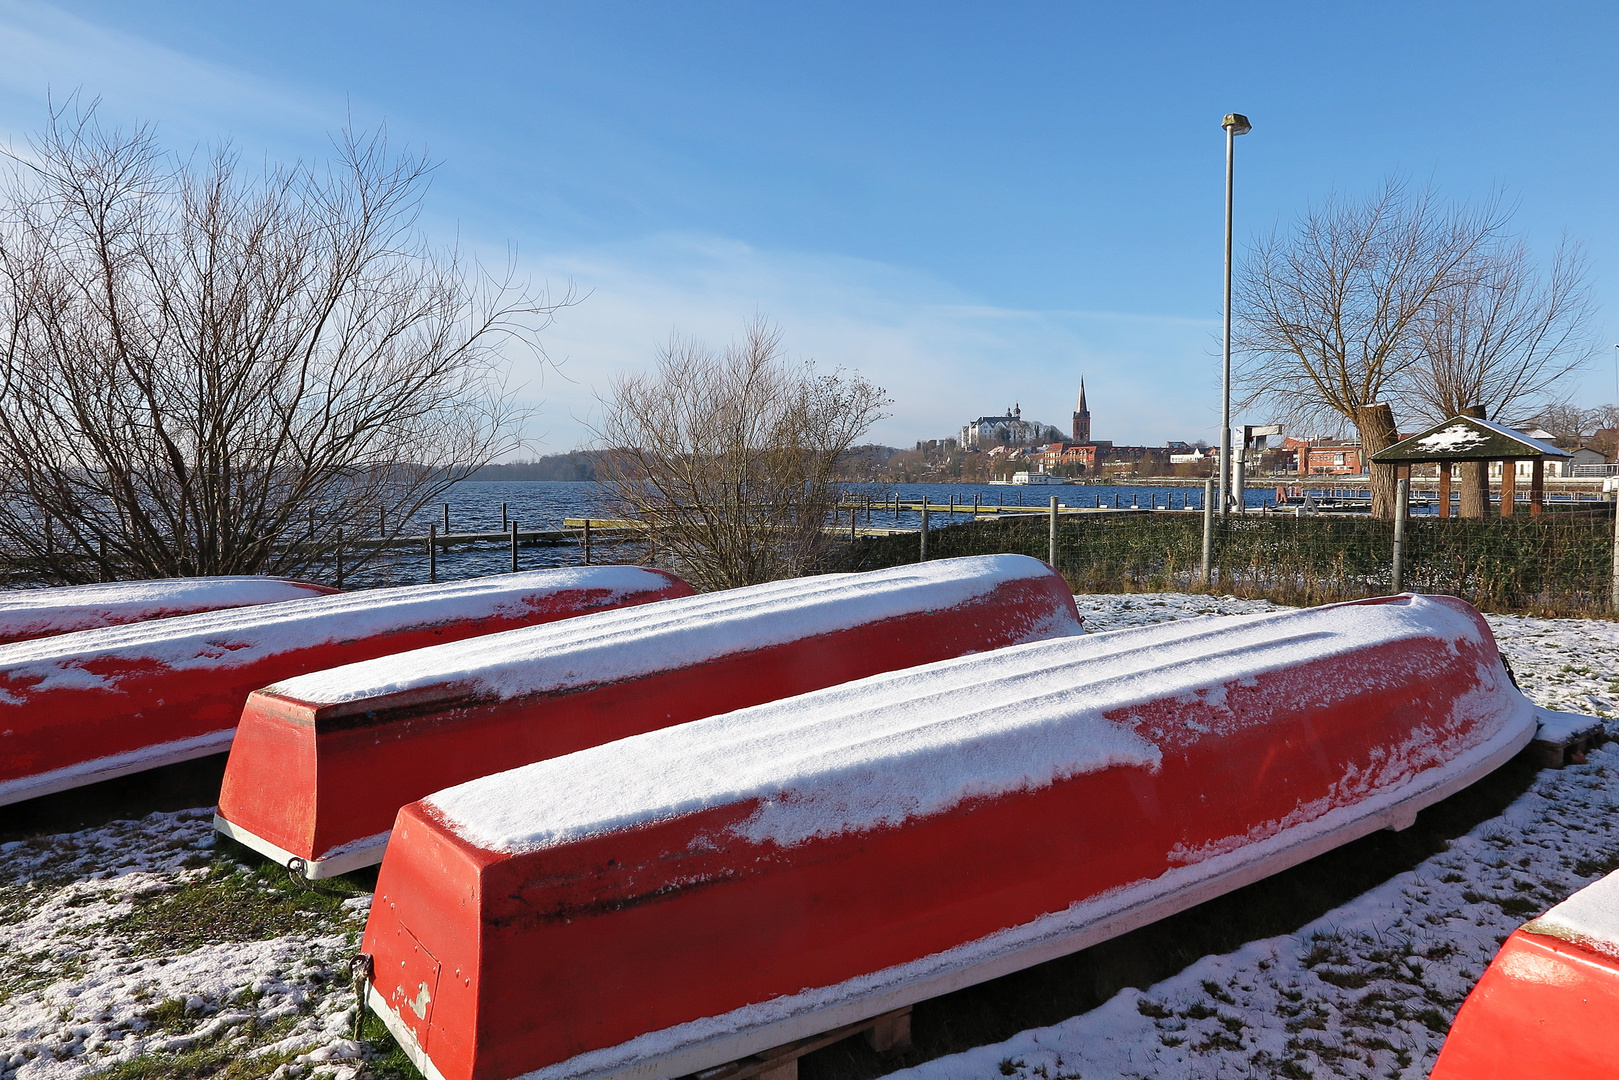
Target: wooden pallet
{"points": [[1565, 739], [889, 1033]]}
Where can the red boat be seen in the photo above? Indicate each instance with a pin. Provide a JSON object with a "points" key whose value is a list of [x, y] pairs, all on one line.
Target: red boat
{"points": [[690, 896], [86, 706], [322, 764], [1547, 1007], [26, 614]]}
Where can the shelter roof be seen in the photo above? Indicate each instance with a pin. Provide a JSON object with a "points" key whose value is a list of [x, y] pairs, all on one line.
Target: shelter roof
{"points": [[1467, 438]]}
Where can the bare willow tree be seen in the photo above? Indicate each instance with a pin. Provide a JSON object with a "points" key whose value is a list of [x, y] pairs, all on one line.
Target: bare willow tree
{"points": [[1328, 313], [209, 371], [730, 461], [1501, 334]]}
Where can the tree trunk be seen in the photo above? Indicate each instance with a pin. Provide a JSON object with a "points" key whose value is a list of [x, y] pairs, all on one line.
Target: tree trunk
{"points": [[1475, 480], [1375, 422]]}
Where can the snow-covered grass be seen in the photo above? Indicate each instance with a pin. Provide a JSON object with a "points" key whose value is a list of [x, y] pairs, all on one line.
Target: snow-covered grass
{"points": [[141, 948]]}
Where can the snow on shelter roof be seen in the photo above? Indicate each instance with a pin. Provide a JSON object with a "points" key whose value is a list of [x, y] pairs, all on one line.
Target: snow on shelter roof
{"points": [[608, 646], [876, 751], [1467, 438]]}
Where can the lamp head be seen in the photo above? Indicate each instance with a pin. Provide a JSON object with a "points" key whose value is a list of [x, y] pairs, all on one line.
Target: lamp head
{"points": [[1237, 124]]}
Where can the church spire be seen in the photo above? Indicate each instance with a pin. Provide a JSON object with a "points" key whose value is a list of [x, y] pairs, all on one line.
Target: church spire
{"points": [[1082, 418], [1081, 410]]}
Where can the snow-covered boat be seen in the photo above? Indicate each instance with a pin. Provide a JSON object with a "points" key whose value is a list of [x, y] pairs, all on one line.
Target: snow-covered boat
{"points": [[1547, 1007], [26, 614], [691, 896], [322, 763], [86, 706]]}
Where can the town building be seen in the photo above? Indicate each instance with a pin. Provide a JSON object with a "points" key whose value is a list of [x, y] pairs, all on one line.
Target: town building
{"points": [[988, 431]]}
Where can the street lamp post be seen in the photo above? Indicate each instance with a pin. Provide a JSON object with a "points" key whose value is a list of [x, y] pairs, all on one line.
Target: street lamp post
{"points": [[1235, 124]]}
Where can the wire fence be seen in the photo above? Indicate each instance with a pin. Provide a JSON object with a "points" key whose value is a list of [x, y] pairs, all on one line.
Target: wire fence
{"points": [[1556, 564]]}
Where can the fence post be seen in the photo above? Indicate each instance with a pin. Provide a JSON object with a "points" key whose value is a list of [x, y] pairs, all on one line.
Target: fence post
{"points": [[1613, 591], [1051, 545], [432, 553], [1240, 495], [514, 545], [587, 541], [1402, 498], [1208, 531], [924, 557]]}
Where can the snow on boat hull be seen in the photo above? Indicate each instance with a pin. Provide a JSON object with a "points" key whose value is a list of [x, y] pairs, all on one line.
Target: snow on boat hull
{"points": [[687, 897], [86, 706], [26, 614], [321, 765], [1547, 1006]]}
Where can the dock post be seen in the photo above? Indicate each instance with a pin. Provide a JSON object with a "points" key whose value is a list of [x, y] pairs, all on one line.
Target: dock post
{"points": [[382, 523], [514, 546], [505, 522], [432, 553], [1051, 541], [1402, 498], [1208, 532], [339, 557], [446, 519], [103, 560], [587, 541], [975, 506], [924, 557]]}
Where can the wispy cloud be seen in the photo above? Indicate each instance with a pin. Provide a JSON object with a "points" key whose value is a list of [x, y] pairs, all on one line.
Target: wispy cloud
{"points": [[45, 50], [944, 356]]}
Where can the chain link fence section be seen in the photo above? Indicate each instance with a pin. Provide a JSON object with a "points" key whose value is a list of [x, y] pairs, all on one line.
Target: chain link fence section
{"points": [[1557, 564]]}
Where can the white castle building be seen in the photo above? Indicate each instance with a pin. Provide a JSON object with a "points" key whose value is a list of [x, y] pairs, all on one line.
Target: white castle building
{"points": [[987, 431]]}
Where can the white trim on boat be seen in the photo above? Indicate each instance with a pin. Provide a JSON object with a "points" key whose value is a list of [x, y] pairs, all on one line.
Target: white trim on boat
{"points": [[132, 761], [366, 851]]}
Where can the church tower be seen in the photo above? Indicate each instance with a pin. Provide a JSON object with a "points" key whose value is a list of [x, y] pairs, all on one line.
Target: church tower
{"points": [[1082, 418]]}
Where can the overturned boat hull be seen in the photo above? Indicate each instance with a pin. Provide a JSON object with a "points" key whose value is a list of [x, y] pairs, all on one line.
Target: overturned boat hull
{"points": [[1547, 1006], [26, 614], [90, 705], [691, 896], [321, 765]]}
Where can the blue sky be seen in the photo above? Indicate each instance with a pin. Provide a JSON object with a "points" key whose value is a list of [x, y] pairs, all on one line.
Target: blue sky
{"points": [[973, 204]]}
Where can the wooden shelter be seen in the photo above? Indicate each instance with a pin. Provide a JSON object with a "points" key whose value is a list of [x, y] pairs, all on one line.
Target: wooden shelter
{"points": [[1471, 438]]}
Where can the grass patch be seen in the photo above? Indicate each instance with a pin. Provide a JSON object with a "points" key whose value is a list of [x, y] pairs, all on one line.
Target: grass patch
{"points": [[231, 903], [228, 1057]]}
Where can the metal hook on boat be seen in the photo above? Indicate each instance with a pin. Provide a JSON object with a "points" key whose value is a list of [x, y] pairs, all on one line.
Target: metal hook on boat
{"points": [[298, 872]]}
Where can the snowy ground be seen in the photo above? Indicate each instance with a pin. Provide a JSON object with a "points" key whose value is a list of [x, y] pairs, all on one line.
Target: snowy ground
{"points": [[140, 948]]}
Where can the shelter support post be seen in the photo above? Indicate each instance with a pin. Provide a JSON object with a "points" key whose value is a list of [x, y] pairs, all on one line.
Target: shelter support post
{"points": [[1402, 503], [1537, 487], [1509, 486], [1444, 488]]}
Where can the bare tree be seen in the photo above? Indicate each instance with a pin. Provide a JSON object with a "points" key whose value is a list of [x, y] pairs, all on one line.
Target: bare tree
{"points": [[1498, 335], [209, 372], [1501, 333], [730, 460], [1327, 313], [1565, 421]]}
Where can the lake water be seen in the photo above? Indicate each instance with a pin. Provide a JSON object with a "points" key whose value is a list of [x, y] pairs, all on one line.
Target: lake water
{"points": [[475, 506]]}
